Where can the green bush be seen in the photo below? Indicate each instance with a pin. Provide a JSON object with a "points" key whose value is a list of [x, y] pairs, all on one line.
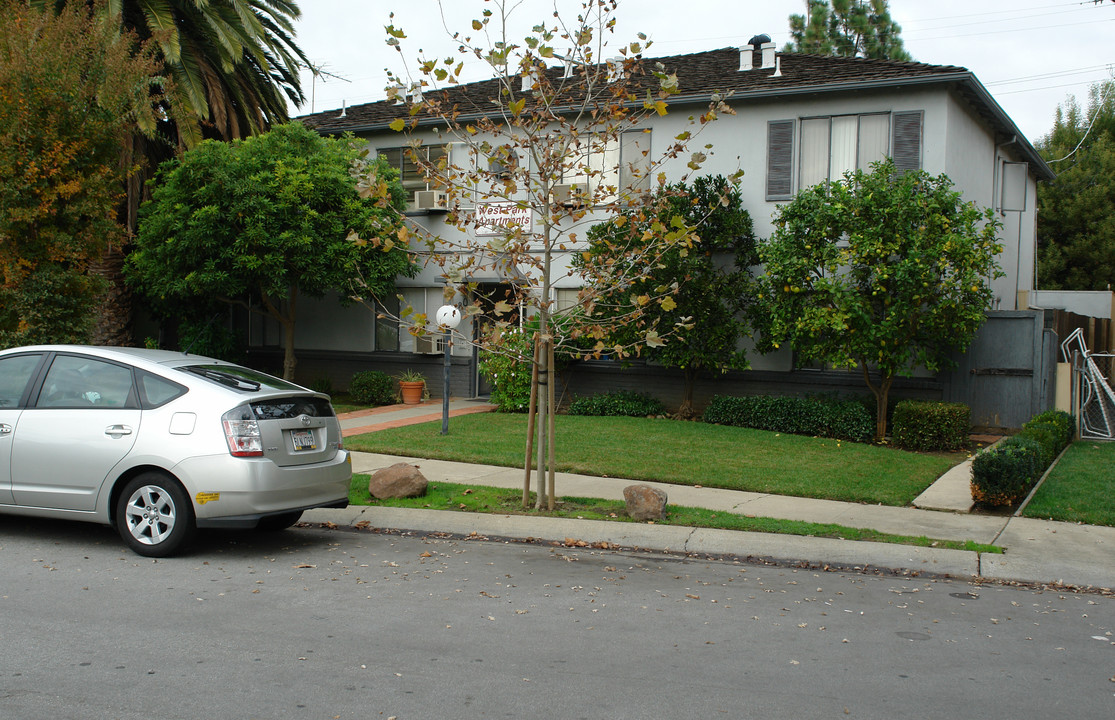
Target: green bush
{"points": [[508, 368], [372, 387], [931, 426], [1048, 438], [1064, 422], [819, 416], [622, 403], [322, 385], [1005, 473]]}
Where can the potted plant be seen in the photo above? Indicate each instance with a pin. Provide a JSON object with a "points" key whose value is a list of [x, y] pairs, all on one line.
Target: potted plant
{"points": [[412, 386]]}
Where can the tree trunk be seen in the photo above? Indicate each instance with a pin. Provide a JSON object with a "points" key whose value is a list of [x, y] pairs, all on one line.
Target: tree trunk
{"points": [[113, 325], [685, 410], [881, 392]]}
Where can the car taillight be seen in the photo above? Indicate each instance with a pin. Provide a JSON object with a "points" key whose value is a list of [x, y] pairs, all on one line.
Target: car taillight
{"points": [[242, 432]]}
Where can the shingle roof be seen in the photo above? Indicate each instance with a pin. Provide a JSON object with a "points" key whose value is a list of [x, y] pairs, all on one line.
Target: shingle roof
{"points": [[717, 71]]}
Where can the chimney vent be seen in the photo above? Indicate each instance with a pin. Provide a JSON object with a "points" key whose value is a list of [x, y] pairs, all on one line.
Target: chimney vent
{"points": [[343, 114], [768, 55], [745, 62]]}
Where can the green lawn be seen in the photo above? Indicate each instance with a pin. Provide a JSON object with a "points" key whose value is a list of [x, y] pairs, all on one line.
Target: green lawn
{"points": [[1081, 488], [682, 453]]}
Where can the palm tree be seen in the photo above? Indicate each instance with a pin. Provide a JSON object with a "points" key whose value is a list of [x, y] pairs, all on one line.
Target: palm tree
{"points": [[231, 66]]}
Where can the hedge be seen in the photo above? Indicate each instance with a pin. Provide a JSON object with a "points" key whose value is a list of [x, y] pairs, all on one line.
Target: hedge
{"points": [[621, 403], [931, 426], [1005, 474], [816, 416]]}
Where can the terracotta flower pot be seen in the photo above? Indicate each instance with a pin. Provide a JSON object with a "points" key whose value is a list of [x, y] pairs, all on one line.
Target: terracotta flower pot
{"points": [[411, 391]]}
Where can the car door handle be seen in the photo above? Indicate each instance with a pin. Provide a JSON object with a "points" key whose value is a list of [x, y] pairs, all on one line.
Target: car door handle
{"points": [[118, 430], [5, 429]]}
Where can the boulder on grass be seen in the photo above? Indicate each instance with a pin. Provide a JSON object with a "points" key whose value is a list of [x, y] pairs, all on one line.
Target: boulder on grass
{"points": [[644, 502], [401, 480]]}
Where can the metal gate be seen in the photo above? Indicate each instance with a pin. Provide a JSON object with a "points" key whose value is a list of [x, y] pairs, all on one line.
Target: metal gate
{"points": [[1092, 398]]}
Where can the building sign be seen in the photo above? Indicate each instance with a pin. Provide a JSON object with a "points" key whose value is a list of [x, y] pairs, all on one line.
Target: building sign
{"points": [[496, 218]]}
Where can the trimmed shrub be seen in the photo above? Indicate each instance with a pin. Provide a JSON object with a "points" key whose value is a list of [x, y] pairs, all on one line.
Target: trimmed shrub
{"points": [[819, 416], [372, 387], [1004, 474], [1063, 421], [930, 426], [622, 403], [1048, 438]]}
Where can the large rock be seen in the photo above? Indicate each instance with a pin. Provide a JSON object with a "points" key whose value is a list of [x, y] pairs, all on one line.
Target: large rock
{"points": [[401, 480], [644, 502]]}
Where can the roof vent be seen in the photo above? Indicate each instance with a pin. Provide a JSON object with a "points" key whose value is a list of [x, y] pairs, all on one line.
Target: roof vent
{"points": [[343, 114], [768, 55], [759, 40], [745, 62]]}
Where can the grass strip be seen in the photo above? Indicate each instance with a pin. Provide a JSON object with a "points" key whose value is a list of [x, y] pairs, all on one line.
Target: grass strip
{"points": [[1080, 488], [503, 501], [681, 453]]}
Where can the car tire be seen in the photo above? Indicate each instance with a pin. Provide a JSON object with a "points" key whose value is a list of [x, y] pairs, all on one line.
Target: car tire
{"points": [[154, 515], [275, 523]]}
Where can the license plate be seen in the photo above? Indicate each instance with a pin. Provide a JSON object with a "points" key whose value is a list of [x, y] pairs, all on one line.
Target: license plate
{"points": [[303, 440]]}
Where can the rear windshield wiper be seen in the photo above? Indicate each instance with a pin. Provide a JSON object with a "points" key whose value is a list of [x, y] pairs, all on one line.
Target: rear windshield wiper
{"points": [[224, 378]]}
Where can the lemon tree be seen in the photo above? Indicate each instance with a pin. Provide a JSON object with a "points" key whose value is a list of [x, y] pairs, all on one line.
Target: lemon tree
{"points": [[882, 272]]}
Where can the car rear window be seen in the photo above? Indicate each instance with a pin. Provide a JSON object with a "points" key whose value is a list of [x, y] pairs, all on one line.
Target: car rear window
{"points": [[285, 408], [239, 378]]}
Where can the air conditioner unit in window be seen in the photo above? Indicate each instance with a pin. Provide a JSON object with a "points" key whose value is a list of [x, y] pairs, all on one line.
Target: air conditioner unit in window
{"points": [[570, 194], [426, 344], [430, 200]]}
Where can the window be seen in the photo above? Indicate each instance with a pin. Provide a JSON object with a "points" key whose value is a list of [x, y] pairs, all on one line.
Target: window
{"points": [[157, 390], [387, 324], [830, 146], [15, 373], [75, 381], [411, 175], [624, 165], [424, 303]]}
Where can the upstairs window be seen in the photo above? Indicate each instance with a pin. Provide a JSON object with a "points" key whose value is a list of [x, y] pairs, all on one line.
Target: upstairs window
{"points": [[623, 164], [827, 147], [404, 159]]}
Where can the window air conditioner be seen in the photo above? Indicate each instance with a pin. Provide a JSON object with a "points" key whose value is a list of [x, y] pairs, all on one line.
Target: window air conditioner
{"points": [[426, 344], [570, 194], [430, 200]]}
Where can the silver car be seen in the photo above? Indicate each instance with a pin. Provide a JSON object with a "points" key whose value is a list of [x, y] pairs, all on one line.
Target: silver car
{"points": [[159, 443]]}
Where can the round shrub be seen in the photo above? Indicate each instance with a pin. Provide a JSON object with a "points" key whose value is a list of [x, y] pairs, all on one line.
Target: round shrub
{"points": [[372, 387], [622, 403]]}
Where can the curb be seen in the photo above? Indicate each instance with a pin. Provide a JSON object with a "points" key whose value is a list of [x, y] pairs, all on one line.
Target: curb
{"points": [[825, 553]]}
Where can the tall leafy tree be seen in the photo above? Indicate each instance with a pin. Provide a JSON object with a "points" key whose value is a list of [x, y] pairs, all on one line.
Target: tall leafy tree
{"points": [[881, 272], [707, 269], [849, 28], [1076, 210], [231, 65], [72, 88], [275, 216]]}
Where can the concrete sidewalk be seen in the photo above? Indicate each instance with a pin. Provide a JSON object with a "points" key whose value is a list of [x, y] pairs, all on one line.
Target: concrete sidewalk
{"points": [[1035, 551]]}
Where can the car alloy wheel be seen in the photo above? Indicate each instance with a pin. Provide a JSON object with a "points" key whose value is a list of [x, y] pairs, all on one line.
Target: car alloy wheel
{"points": [[153, 515]]}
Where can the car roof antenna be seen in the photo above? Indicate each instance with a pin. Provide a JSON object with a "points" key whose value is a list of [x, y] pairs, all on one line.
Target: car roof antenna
{"points": [[197, 338]]}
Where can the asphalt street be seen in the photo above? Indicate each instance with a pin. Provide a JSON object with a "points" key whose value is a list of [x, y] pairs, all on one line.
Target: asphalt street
{"points": [[348, 623]]}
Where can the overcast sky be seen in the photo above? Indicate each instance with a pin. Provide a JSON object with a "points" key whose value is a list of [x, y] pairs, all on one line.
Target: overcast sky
{"points": [[1030, 54]]}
